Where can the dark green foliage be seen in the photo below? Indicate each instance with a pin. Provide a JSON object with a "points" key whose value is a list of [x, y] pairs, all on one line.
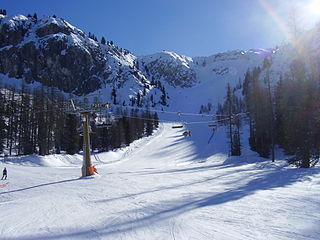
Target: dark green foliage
{"points": [[34, 121], [256, 99], [2, 134], [229, 111], [149, 123], [25, 129], [71, 134], [114, 95], [139, 100], [103, 41], [125, 129], [287, 114], [2, 124], [163, 97], [297, 114], [156, 120], [3, 11]]}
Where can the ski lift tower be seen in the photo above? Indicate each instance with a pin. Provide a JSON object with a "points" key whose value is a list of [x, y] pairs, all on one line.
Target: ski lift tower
{"points": [[85, 110]]}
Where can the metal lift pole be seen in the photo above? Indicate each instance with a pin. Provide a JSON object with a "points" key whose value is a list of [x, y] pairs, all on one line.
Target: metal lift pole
{"points": [[85, 112], [86, 145]]}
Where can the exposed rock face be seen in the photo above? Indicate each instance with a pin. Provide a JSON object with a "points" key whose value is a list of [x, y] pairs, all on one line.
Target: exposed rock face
{"points": [[174, 69], [54, 53]]}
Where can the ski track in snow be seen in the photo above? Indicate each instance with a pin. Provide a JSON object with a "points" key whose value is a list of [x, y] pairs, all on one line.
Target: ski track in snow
{"points": [[157, 189]]}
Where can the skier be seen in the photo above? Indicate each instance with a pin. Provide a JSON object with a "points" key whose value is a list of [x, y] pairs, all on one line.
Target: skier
{"points": [[4, 174]]}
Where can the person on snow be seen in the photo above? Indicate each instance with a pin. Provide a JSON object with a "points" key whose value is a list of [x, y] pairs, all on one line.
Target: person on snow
{"points": [[4, 174]]}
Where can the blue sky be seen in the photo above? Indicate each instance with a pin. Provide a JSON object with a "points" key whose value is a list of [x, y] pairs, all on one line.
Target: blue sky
{"points": [[189, 27]]}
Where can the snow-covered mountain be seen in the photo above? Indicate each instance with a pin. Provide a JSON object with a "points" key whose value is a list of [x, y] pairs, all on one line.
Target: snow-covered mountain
{"points": [[54, 53]]}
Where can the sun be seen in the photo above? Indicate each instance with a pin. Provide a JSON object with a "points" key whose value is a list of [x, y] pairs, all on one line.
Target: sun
{"points": [[312, 9]]}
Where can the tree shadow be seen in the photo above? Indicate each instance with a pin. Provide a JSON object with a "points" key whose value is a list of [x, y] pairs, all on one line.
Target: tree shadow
{"points": [[41, 185], [272, 179], [171, 187]]}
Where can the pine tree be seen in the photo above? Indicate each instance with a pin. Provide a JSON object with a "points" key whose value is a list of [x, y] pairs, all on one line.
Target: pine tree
{"points": [[2, 124], [11, 112], [3, 11], [149, 124], [139, 99], [41, 122], [267, 80], [103, 41], [156, 120], [25, 142], [114, 95], [71, 134], [259, 117], [231, 108]]}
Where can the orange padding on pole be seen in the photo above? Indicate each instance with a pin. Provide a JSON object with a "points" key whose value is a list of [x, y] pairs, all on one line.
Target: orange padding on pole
{"points": [[92, 169]]}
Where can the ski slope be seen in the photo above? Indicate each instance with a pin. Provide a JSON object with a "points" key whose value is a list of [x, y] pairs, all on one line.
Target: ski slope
{"points": [[162, 187]]}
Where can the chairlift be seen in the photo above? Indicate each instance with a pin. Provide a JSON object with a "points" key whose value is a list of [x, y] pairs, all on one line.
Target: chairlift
{"points": [[80, 130], [104, 120], [187, 134], [104, 125], [179, 120], [177, 126]]}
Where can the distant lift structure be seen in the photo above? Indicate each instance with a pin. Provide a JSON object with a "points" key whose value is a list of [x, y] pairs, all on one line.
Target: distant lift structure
{"points": [[85, 110], [178, 124]]}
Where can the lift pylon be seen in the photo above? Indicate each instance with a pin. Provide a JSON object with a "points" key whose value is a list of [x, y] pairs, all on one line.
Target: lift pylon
{"points": [[85, 111]]}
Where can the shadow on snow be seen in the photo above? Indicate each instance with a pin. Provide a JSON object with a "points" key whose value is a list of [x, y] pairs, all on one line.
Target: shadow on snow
{"points": [[273, 178]]}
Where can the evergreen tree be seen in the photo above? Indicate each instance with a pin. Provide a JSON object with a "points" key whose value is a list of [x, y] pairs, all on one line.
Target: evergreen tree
{"points": [[149, 123], [25, 142], [139, 100], [41, 121], [163, 97], [71, 134], [156, 120], [2, 123], [3, 11], [103, 41], [114, 95], [256, 99], [11, 112], [267, 80], [234, 134]]}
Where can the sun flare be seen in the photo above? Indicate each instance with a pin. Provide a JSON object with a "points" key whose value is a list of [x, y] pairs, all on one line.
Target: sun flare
{"points": [[313, 9]]}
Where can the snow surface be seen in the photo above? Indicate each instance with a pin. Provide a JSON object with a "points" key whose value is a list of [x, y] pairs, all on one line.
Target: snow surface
{"points": [[161, 187]]}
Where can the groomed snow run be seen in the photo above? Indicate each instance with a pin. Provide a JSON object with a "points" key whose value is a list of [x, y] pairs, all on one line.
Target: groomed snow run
{"points": [[161, 187]]}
